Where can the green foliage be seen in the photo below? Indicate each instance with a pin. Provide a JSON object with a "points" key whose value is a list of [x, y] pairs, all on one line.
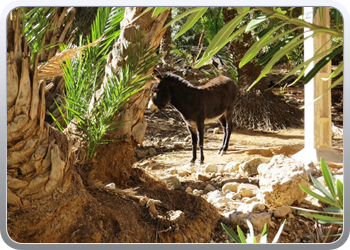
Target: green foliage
{"points": [[191, 20], [282, 38], [331, 194], [212, 21], [107, 24], [189, 23], [241, 238], [188, 56], [100, 117], [225, 35], [158, 10], [83, 76], [289, 45], [232, 69], [320, 64], [37, 21]]}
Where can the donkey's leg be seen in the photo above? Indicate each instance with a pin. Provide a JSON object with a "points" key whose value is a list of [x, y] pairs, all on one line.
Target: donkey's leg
{"points": [[223, 123], [200, 141], [193, 133], [228, 134]]}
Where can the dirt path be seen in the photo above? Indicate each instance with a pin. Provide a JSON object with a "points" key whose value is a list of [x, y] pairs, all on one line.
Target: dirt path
{"points": [[166, 152]]}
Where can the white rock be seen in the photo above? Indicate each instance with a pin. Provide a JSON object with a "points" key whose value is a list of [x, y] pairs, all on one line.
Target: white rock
{"points": [[247, 190], [166, 140], [171, 121], [110, 186], [250, 167], [172, 170], [237, 196], [214, 195], [279, 181], [216, 130], [189, 168], [229, 195], [211, 168], [182, 172], [231, 186], [249, 200], [252, 207], [204, 176], [232, 195], [231, 167], [188, 138], [221, 202], [197, 192]]}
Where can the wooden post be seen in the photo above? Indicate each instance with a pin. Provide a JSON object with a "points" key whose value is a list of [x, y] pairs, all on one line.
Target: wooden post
{"points": [[317, 119]]}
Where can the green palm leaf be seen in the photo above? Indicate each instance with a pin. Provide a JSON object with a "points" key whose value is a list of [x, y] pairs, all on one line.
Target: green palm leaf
{"points": [[256, 22], [287, 48], [340, 191], [231, 233], [324, 218], [327, 174], [321, 64], [241, 235], [273, 51], [305, 64], [317, 196], [222, 38], [264, 41], [320, 187], [158, 10], [186, 13], [191, 20]]}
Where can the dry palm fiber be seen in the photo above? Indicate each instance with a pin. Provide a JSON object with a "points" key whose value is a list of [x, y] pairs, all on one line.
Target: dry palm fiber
{"points": [[265, 111]]}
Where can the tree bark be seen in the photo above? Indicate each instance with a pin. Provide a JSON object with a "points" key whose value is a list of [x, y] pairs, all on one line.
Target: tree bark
{"points": [[37, 154], [117, 165], [152, 32]]}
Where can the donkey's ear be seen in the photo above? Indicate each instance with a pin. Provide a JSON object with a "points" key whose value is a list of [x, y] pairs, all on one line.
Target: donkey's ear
{"points": [[157, 74]]}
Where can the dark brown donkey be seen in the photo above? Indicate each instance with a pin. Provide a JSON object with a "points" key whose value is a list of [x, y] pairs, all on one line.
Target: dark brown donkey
{"points": [[197, 105]]}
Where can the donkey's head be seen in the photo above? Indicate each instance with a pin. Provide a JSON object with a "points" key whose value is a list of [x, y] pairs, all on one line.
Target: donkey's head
{"points": [[160, 94]]}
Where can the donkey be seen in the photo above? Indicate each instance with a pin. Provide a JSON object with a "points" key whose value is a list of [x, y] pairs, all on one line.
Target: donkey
{"points": [[197, 105]]}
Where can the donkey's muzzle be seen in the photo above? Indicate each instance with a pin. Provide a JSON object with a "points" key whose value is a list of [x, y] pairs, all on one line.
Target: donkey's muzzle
{"points": [[152, 106]]}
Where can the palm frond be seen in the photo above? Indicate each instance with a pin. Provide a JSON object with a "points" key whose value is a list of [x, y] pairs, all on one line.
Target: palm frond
{"points": [[53, 67]]}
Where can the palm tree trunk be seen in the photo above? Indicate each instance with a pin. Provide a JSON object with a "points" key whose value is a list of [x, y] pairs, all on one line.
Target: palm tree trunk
{"points": [[39, 158], [152, 32], [37, 155], [117, 166]]}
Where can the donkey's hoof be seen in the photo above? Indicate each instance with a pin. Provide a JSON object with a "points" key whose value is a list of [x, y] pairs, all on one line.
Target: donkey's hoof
{"points": [[221, 152]]}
